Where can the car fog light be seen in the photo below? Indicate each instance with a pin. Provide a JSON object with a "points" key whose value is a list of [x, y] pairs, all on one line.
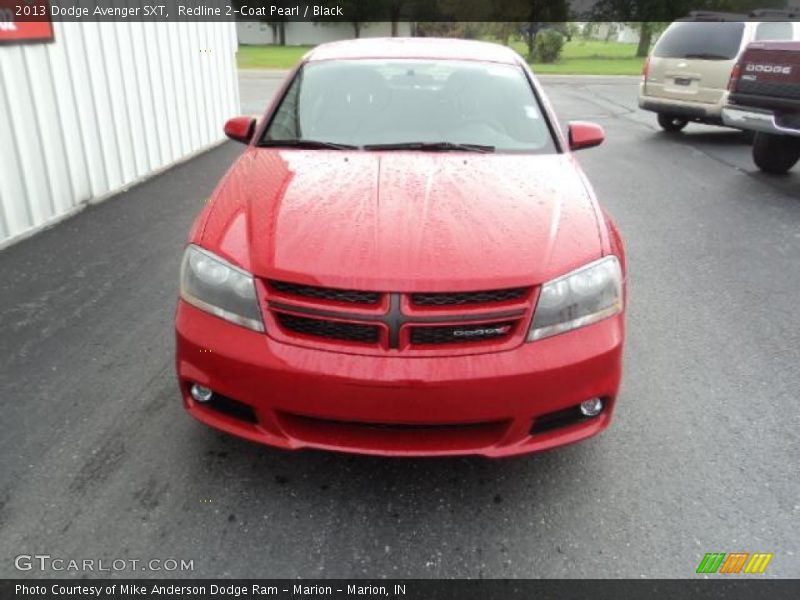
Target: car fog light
{"points": [[592, 408], [200, 393]]}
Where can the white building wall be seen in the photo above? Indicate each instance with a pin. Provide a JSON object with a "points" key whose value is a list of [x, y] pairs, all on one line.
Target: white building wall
{"points": [[628, 35], [621, 32], [308, 33], [254, 33], [103, 106]]}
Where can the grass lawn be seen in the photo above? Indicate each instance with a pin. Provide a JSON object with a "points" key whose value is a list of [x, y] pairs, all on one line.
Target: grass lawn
{"points": [[270, 57], [579, 57], [590, 57]]}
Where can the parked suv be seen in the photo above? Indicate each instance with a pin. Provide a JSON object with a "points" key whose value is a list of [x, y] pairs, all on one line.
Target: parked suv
{"points": [[765, 98], [686, 76]]}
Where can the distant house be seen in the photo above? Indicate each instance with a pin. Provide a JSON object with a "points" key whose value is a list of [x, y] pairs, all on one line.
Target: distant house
{"points": [[612, 32], [307, 33]]}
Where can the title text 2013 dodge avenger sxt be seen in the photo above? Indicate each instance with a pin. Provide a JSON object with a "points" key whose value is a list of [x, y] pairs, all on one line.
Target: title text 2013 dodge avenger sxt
{"points": [[406, 260]]}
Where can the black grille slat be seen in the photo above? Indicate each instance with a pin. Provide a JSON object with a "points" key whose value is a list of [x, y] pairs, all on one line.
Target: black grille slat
{"points": [[422, 427], [336, 330], [330, 294], [461, 298], [448, 334]]}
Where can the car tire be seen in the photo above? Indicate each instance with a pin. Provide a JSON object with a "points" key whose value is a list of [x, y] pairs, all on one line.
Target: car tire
{"points": [[775, 154], [671, 122]]}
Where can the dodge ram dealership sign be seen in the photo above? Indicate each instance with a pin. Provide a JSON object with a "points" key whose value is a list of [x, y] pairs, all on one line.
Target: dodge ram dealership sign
{"points": [[25, 21]]}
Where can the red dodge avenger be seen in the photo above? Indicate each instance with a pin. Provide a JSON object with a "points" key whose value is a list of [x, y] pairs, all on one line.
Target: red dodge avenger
{"points": [[406, 260]]}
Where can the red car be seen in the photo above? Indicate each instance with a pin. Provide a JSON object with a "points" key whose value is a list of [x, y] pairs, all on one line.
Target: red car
{"points": [[406, 260]]}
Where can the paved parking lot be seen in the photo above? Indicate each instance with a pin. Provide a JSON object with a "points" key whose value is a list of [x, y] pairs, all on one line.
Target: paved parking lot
{"points": [[97, 459]]}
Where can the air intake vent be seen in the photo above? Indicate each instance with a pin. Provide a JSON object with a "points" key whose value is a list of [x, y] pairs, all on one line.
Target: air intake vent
{"points": [[459, 298], [336, 330], [331, 294]]}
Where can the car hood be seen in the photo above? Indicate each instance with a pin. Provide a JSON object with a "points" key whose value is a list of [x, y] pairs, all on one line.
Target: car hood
{"points": [[404, 221]]}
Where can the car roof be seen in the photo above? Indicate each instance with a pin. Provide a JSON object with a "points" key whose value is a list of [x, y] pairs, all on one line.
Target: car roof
{"points": [[789, 45], [713, 16], [436, 48]]}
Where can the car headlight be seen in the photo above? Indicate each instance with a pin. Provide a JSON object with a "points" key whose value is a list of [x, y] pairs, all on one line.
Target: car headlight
{"points": [[577, 299], [216, 286]]}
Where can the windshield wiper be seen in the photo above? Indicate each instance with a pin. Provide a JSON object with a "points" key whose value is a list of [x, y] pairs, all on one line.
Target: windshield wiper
{"points": [[431, 146], [306, 144]]}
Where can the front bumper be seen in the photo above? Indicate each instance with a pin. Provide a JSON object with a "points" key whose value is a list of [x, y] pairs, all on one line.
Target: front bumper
{"points": [[484, 404], [756, 119]]}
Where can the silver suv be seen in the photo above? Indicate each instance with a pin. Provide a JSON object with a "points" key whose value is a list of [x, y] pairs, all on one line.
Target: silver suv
{"points": [[687, 74]]}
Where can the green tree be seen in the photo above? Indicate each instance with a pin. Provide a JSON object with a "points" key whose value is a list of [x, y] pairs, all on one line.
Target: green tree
{"points": [[396, 10], [548, 46], [357, 12], [443, 29], [647, 31], [644, 14], [538, 13], [589, 29], [503, 31], [650, 16], [276, 24], [279, 31]]}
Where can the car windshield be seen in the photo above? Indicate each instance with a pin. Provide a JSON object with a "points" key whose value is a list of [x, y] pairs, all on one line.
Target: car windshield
{"points": [[776, 30], [435, 105], [704, 40]]}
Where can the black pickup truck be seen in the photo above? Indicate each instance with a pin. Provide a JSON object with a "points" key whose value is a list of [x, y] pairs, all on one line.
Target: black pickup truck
{"points": [[765, 98]]}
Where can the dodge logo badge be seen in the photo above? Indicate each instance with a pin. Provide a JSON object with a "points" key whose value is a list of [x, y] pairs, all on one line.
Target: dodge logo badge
{"points": [[482, 332]]}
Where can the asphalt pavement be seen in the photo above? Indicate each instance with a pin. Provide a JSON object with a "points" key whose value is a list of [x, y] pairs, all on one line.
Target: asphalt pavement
{"points": [[99, 461]]}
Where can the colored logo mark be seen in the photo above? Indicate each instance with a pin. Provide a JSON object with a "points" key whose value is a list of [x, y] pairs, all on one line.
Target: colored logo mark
{"points": [[734, 562]]}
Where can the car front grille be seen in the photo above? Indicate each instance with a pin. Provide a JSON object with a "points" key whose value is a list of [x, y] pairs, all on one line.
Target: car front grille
{"points": [[379, 322]]}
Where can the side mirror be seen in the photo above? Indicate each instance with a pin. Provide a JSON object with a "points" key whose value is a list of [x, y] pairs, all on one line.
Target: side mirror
{"points": [[240, 129], [585, 135]]}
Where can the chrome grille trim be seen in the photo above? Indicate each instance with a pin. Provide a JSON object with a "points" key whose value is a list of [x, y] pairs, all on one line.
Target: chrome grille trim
{"points": [[338, 314]]}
